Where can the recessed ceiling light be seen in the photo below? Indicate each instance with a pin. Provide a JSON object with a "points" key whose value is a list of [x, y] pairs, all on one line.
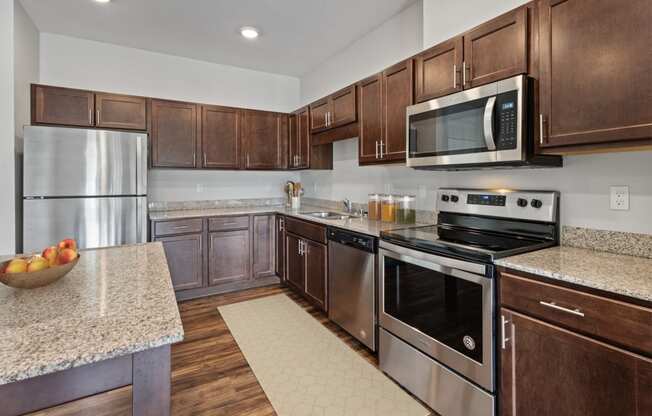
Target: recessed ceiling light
{"points": [[249, 32], [102, 1]]}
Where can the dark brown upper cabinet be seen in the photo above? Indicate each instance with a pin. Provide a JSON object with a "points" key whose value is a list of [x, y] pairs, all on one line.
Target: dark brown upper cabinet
{"points": [[264, 139], [595, 77], [382, 105], [338, 109], [370, 110], [496, 49], [80, 108], [439, 70], [299, 141], [398, 95], [220, 137], [548, 371], [174, 134], [65, 106], [113, 111]]}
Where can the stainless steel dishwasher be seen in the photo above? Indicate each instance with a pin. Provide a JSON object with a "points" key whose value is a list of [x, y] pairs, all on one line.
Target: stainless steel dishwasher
{"points": [[352, 283]]}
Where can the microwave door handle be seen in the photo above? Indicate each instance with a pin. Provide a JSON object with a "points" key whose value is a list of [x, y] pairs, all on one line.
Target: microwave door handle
{"points": [[489, 123]]}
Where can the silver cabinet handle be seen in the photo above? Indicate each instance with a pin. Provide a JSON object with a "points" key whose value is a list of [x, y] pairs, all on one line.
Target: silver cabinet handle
{"points": [[554, 306], [454, 76], [97, 116], [205, 162], [541, 135], [180, 227], [281, 225], [464, 74], [90, 116], [382, 149], [376, 149], [326, 119], [503, 336]]}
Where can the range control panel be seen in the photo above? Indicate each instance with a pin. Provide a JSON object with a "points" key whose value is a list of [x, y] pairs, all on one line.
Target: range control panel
{"points": [[524, 205]]}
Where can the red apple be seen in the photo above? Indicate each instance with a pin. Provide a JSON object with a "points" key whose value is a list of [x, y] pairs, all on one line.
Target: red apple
{"points": [[50, 254], [68, 243], [16, 266], [66, 256], [37, 263]]}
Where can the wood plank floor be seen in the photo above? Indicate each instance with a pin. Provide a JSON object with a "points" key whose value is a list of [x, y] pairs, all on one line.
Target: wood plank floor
{"points": [[210, 376]]}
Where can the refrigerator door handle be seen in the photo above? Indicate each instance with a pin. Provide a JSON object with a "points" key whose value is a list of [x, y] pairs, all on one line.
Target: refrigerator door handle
{"points": [[141, 219], [141, 165]]}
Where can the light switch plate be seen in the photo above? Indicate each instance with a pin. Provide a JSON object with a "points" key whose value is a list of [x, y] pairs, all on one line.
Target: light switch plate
{"points": [[620, 198]]}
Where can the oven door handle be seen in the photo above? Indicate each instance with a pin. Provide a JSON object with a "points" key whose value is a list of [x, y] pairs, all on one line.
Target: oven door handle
{"points": [[489, 123]]}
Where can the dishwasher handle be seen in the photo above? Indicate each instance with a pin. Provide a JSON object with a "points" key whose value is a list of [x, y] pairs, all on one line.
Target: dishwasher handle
{"points": [[352, 239]]}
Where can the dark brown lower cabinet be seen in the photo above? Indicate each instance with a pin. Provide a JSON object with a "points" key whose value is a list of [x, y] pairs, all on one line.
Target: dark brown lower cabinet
{"points": [[228, 257], [262, 246], [306, 268], [280, 247], [550, 371], [316, 268], [295, 265], [184, 255]]}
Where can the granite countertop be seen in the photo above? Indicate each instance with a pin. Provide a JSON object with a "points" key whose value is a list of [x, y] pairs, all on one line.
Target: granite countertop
{"points": [[116, 301], [624, 275], [362, 225]]}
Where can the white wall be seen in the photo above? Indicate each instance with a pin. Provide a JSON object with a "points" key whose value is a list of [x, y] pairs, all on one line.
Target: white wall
{"points": [[26, 64], [7, 204], [584, 181], [173, 185], [444, 19], [79, 63], [394, 40], [74, 62]]}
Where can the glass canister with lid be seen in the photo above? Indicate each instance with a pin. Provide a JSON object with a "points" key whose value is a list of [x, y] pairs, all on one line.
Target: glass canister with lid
{"points": [[406, 209], [374, 207], [388, 208]]}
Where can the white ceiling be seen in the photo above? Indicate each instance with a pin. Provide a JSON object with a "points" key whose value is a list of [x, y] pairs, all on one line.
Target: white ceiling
{"points": [[296, 35]]}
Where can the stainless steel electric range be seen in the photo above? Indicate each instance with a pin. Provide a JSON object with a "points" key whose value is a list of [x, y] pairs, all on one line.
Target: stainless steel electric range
{"points": [[438, 293]]}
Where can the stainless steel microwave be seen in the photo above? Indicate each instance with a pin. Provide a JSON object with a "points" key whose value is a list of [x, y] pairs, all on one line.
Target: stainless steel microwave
{"points": [[483, 127]]}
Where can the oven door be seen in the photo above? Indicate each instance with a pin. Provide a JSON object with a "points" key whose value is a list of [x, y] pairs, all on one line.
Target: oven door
{"points": [[441, 306], [477, 126]]}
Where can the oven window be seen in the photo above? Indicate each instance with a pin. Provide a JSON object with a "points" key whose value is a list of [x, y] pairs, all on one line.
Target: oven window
{"points": [[441, 306]]}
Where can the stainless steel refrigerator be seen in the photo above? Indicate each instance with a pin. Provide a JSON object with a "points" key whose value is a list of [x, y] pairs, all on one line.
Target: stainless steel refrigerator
{"points": [[90, 185]]}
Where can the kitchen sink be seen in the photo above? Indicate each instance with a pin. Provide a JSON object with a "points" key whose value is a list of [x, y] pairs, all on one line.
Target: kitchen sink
{"points": [[327, 215]]}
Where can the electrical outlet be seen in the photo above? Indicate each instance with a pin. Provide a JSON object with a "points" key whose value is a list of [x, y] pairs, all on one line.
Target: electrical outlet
{"points": [[199, 188], [620, 198]]}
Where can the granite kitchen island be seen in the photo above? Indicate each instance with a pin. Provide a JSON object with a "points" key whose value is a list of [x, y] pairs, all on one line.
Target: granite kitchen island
{"points": [[109, 323]]}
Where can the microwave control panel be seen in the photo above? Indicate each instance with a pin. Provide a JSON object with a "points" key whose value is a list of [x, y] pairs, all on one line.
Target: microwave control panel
{"points": [[506, 117]]}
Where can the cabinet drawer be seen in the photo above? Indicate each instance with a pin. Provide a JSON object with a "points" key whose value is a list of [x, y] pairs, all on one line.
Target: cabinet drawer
{"points": [[228, 223], [625, 324], [188, 226], [306, 229]]}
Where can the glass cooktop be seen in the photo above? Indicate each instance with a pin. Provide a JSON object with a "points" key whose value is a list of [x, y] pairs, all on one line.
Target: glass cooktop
{"points": [[463, 243]]}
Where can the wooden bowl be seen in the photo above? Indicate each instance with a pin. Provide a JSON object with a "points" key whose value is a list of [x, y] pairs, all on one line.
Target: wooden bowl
{"points": [[36, 279]]}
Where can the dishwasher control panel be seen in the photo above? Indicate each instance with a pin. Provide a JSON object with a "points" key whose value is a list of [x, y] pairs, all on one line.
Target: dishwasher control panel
{"points": [[357, 240]]}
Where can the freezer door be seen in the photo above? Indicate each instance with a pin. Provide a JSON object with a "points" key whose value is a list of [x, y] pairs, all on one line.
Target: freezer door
{"points": [[93, 222], [64, 162]]}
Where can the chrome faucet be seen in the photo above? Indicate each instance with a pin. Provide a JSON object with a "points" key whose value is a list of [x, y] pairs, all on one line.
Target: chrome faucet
{"points": [[348, 205]]}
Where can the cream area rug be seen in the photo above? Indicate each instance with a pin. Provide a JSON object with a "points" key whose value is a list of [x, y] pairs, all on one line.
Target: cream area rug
{"points": [[305, 369]]}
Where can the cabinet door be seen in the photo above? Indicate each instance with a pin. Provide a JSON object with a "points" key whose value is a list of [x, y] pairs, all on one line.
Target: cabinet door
{"points": [[295, 266], [293, 142], [114, 111], [316, 272], [596, 83], [220, 137], [318, 111], [280, 247], [548, 371], [303, 135], [496, 49], [439, 70], [397, 96], [228, 257], [262, 246], [184, 255], [343, 107], [174, 134], [54, 105], [265, 139], [370, 122]]}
